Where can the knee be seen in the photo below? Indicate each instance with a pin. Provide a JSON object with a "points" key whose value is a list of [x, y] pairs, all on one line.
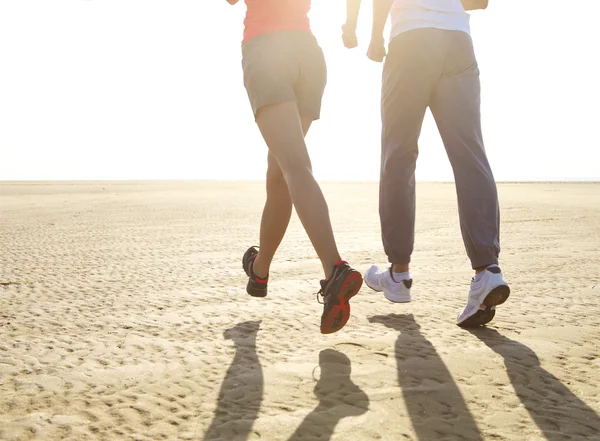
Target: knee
{"points": [[400, 160], [275, 177], [298, 172], [296, 166], [289, 168]]}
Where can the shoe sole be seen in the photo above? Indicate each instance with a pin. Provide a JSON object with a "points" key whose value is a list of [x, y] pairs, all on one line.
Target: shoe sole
{"points": [[405, 299], [365, 279], [255, 293], [497, 296], [402, 299], [374, 289], [340, 312]]}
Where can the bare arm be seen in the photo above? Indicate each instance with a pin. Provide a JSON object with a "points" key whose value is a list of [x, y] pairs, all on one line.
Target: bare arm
{"points": [[352, 10], [471, 5], [349, 28], [381, 11]]}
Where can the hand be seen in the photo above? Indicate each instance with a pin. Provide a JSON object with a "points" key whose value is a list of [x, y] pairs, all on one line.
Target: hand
{"points": [[349, 36], [376, 51]]}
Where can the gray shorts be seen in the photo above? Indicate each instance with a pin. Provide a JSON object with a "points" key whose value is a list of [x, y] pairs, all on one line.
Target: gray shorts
{"points": [[285, 66]]}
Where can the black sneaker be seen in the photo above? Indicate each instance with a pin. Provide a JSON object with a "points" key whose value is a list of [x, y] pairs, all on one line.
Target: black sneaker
{"points": [[256, 287], [337, 291]]}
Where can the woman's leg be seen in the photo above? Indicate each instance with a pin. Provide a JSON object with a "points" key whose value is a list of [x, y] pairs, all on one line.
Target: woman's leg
{"points": [[275, 218], [276, 214], [282, 129]]}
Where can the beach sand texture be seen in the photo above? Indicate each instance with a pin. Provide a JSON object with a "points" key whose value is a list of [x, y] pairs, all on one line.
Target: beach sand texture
{"points": [[123, 316]]}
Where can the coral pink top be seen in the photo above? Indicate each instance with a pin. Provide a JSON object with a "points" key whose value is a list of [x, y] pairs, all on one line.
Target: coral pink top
{"points": [[264, 16]]}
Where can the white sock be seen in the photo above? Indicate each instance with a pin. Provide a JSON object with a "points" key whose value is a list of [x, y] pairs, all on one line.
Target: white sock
{"points": [[479, 276], [399, 277]]}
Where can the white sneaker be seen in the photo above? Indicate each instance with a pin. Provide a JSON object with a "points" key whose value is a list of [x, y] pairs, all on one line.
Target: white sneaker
{"points": [[381, 280], [485, 294]]}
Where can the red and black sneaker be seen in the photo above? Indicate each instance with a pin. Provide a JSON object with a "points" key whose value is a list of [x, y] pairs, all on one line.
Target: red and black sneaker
{"points": [[256, 287], [337, 291]]}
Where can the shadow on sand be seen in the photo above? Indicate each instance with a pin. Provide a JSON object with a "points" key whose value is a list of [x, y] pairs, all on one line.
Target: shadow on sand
{"points": [[338, 397], [436, 407], [558, 413], [242, 389]]}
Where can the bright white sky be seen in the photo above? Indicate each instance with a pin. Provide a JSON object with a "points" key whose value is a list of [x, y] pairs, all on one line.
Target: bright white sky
{"points": [[148, 89]]}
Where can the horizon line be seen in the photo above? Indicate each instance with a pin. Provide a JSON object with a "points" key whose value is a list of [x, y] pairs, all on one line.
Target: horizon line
{"points": [[345, 181]]}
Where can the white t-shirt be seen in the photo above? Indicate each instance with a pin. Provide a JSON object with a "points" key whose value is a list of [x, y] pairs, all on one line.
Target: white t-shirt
{"points": [[441, 14]]}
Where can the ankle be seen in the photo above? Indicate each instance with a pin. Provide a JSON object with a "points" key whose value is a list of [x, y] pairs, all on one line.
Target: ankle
{"points": [[481, 269], [261, 271], [330, 266], [400, 267]]}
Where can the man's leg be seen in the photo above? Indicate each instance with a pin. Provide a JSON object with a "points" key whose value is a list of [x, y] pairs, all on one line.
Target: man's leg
{"points": [[456, 109], [410, 70], [281, 127], [276, 214], [407, 79]]}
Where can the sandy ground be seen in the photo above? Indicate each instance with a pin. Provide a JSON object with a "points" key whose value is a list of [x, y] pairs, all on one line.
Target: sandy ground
{"points": [[123, 315]]}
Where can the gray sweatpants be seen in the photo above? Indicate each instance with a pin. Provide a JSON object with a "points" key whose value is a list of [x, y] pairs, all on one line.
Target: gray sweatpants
{"points": [[437, 69]]}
